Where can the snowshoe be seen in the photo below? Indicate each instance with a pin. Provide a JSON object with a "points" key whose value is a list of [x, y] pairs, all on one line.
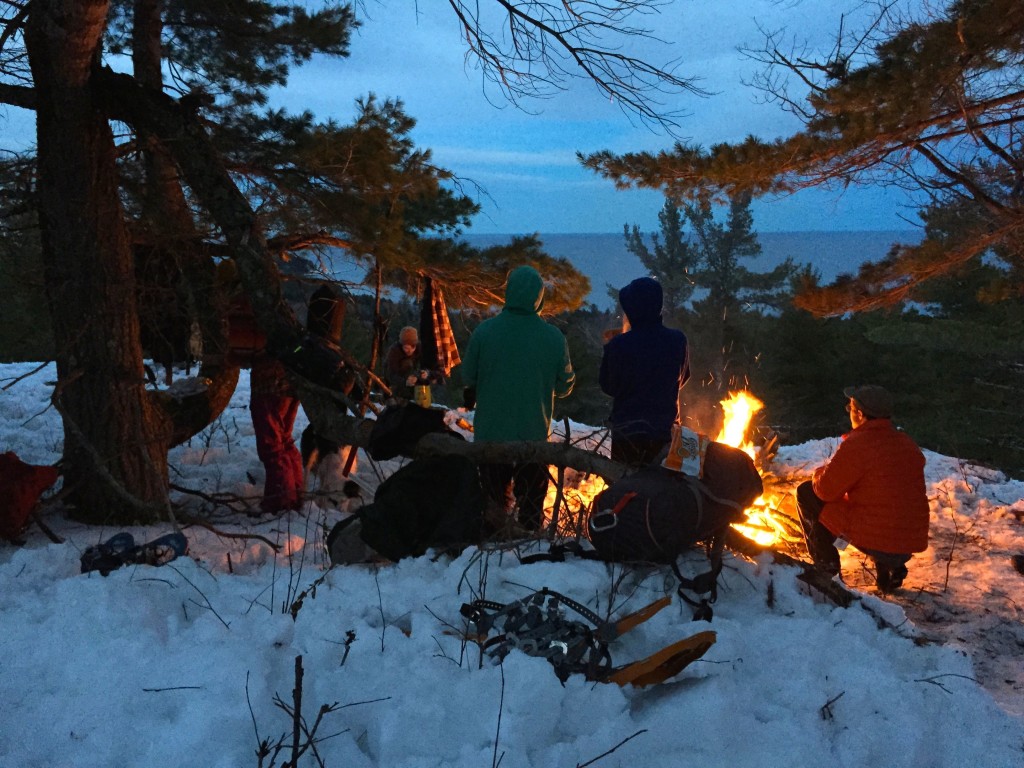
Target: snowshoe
{"points": [[159, 551], [666, 663], [120, 550], [537, 626], [109, 555]]}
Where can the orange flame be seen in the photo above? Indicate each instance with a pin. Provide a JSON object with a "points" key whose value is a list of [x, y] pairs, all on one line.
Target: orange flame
{"points": [[578, 491], [739, 408]]}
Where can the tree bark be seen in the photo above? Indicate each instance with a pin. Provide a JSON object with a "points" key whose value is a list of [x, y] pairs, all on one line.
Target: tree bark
{"points": [[110, 429]]}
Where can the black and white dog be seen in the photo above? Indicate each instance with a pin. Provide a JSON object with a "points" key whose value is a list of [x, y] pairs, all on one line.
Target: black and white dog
{"points": [[326, 461]]}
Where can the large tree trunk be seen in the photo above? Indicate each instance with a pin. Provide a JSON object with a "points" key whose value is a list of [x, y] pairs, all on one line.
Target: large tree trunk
{"points": [[114, 441]]}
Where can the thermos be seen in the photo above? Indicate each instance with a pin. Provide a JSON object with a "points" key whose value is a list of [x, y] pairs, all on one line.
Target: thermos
{"points": [[421, 395]]}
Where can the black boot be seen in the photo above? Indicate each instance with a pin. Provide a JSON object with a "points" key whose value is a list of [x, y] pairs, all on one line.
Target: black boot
{"points": [[889, 578]]}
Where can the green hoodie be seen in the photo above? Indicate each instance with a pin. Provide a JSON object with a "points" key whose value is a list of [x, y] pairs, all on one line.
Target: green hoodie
{"points": [[518, 364]]}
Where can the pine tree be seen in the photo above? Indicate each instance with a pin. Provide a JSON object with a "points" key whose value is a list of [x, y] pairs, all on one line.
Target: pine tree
{"points": [[672, 258], [707, 260], [934, 105], [206, 162]]}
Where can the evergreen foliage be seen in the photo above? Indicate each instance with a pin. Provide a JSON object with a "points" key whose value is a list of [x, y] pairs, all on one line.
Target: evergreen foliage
{"points": [[708, 290], [672, 257], [931, 103]]}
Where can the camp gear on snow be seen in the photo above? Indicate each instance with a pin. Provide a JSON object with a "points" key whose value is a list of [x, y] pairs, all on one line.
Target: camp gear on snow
{"points": [[399, 427], [686, 452], [21, 485], [538, 626], [120, 550], [655, 514], [345, 545], [432, 503]]}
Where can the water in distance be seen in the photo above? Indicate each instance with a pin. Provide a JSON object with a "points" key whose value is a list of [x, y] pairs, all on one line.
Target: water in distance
{"points": [[603, 257]]}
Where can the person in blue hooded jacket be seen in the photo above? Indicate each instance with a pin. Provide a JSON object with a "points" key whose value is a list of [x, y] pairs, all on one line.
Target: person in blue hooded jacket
{"points": [[518, 364], [643, 370]]}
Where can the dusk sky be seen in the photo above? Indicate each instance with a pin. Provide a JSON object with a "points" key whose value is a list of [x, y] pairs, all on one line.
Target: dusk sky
{"points": [[524, 159]]}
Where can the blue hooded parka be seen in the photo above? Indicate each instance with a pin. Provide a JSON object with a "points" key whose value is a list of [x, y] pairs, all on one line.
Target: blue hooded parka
{"points": [[644, 368]]}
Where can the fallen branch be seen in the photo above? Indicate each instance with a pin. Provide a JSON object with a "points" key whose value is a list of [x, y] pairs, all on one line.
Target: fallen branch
{"points": [[189, 520], [330, 421], [38, 520], [216, 499]]}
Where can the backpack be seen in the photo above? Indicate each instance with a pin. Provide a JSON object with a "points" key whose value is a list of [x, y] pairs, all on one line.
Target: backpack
{"points": [[322, 362], [656, 514], [429, 503], [21, 485], [399, 427]]}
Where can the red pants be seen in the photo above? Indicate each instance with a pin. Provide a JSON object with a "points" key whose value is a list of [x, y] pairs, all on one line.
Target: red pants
{"points": [[273, 418]]}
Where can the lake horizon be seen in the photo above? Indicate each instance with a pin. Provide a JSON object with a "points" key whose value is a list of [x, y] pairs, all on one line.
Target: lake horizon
{"points": [[604, 258]]}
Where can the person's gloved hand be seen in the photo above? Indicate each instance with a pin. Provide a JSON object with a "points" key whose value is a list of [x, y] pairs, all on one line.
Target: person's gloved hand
{"points": [[469, 398]]}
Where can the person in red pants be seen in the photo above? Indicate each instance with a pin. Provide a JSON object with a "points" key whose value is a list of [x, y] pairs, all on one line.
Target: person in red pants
{"points": [[274, 406], [273, 403]]}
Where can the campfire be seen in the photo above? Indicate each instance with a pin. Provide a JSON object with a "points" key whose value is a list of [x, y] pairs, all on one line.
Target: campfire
{"points": [[765, 524]]}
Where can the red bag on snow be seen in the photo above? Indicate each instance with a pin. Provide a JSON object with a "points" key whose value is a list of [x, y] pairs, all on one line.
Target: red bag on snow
{"points": [[21, 485]]}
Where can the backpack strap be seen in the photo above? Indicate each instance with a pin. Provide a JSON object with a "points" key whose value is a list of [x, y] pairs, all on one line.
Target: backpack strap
{"points": [[557, 552], [705, 585]]}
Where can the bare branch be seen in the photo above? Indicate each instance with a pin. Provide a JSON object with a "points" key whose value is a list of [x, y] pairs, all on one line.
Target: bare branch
{"points": [[535, 46]]}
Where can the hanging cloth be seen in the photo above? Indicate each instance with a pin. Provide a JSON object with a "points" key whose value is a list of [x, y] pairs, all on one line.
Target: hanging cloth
{"points": [[439, 351]]}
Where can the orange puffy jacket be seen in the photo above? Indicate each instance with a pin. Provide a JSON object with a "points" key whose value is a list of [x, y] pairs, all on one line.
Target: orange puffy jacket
{"points": [[874, 491]]}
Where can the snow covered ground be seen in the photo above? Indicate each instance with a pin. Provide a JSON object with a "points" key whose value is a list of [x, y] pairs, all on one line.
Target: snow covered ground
{"points": [[194, 662]]}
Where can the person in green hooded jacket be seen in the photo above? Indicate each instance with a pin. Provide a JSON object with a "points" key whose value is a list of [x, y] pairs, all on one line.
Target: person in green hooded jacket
{"points": [[517, 364]]}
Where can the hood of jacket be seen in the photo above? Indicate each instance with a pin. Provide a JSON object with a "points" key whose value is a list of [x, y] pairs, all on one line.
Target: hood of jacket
{"points": [[524, 291], [641, 300]]}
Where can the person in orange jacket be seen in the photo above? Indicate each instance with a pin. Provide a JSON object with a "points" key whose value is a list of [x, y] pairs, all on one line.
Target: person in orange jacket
{"points": [[871, 493]]}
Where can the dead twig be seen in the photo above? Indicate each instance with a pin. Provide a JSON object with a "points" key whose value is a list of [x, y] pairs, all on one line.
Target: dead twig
{"points": [[935, 680], [208, 605], [174, 688], [189, 520], [216, 499], [24, 376], [38, 519], [380, 607], [826, 709], [605, 754], [495, 758]]}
